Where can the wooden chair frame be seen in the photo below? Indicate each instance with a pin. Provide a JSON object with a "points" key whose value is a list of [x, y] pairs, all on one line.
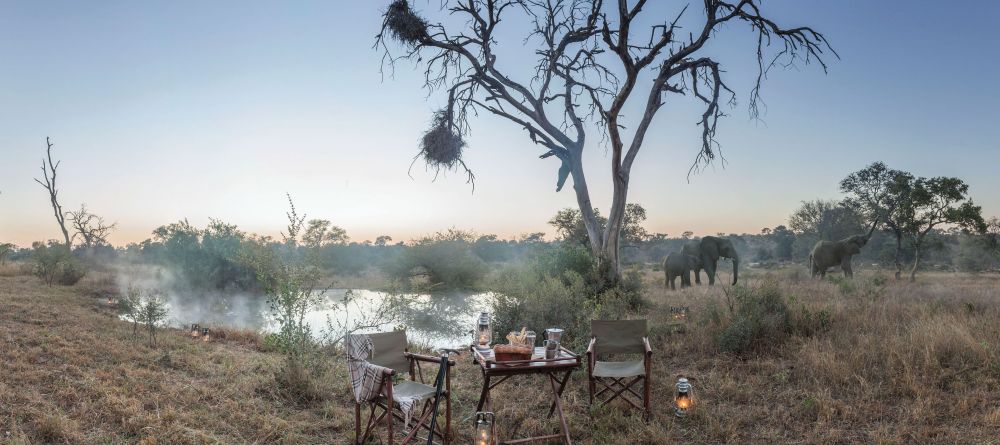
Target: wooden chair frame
{"points": [[618, 387], [381, 408]]}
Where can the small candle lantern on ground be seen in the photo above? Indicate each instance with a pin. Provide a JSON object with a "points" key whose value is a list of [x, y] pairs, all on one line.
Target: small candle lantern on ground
{"points": [[195, 330], [485, 429], [484, 332], [684, 398], [204, 335]]}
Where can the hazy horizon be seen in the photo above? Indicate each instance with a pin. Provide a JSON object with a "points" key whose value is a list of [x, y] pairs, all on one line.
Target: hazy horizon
{"points": [[166, 111]]}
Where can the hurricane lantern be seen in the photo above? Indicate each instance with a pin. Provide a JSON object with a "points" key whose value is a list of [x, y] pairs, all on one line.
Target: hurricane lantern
{"points": [[204, 335], [485, 429], [195, 330], [684, 398], [484, 332]]}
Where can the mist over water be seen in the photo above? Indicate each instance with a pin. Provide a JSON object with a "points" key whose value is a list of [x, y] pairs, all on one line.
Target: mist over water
{"points": [[432, 320]]}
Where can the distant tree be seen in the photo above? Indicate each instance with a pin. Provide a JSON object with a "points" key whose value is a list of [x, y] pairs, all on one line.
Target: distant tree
{"points": [[784, 241], [92, 229], [878, 193], [533, 238], [383, 240], [765, 231], [6, 250], [825, 220], [320, 232], [687, 234], [571, 227], [592, 59], [49, 170], [932, 202]]}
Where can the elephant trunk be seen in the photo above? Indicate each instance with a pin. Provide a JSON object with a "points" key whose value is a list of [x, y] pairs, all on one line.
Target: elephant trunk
{"points": [[736, 268]]}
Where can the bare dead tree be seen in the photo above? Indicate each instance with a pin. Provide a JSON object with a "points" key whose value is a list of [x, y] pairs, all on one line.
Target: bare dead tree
{"points": [[49, 173], [91, 228], [590, 62]]}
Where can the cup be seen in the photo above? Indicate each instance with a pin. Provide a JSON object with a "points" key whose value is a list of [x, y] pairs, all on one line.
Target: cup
{"points": [[551, 349], [529, 338]]}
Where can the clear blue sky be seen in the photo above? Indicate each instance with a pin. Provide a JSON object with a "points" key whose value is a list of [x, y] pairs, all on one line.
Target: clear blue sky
{"points": [[166, 110]]}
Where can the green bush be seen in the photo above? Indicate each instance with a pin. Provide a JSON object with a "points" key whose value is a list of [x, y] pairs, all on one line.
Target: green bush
{"points": [[759, 319], [445, 259], [552, 291], [72, 272], [54, 263]]}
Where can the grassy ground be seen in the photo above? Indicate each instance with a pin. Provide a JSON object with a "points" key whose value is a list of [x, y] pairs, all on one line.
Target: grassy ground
{"points": [[896, 363]]}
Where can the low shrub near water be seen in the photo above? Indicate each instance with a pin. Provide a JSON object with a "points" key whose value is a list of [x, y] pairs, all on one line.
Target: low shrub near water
{"points": [[54, 263], [559, 289], [445, 259]]}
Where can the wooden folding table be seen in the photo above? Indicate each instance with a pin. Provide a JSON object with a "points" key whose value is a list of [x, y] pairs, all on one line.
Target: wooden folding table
{"points": [[557, 369]]}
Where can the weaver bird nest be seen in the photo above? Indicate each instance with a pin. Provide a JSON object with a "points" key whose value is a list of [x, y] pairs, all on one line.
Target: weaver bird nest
{"points": [[442, 145], [404, 25]]}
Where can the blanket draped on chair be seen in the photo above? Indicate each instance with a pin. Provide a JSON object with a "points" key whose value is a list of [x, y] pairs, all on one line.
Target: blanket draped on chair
{"points": [[366, 378]]}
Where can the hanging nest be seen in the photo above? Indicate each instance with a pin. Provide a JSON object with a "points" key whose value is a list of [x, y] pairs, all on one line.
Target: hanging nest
{"points": [[403, 24], [442, 145]]}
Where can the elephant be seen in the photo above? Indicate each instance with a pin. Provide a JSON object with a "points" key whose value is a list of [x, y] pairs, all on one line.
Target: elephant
{"points": [[709, 249], [679, 264], [827, 254]]}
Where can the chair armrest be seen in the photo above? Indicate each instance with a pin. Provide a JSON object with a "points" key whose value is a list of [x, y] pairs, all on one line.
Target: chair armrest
{"points": [[590, 347], [426, 358], [645, 342]]}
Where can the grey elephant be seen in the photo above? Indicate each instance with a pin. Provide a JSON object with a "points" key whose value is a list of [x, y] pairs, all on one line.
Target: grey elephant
{"points": [[709, 249], [827, 254], [681, 265]]}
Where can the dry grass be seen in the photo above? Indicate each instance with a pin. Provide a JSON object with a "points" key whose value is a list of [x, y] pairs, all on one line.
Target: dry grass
{"points": [[898, 363]]}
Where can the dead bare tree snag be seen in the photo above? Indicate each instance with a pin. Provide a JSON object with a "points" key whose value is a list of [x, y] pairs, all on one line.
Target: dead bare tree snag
{"points": [[49, 173], [589, 65], [92, 229]]}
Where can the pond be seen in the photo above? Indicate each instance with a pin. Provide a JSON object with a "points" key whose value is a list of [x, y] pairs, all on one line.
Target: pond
{"points": [[433, 320]]}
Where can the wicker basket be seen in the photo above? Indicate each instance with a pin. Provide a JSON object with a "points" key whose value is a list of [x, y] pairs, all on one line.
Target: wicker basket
{"points": [[508, 353]]}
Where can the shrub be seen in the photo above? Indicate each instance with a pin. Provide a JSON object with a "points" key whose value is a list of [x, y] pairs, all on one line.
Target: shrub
{"points": [[759, 319], [446, 259], [71, 272], [524, 300], [54, 263], [152, 313]]}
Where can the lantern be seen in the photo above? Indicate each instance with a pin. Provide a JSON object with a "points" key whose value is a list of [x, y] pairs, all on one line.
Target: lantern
{"points": [[485, 429], [204, 335], [684, 398], [484, 332], [195, 330]]}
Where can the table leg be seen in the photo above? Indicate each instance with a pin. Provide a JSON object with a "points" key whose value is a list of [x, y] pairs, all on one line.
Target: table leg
{"points": [[557, 405], [483, 396], [562, 386]]}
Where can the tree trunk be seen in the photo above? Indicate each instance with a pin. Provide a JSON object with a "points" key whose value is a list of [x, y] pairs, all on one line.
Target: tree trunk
{"points": [[586, 207], [610, 259], [899, 254], [916, 262]]}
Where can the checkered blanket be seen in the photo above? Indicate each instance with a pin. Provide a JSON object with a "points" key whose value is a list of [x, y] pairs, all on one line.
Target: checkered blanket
{"points": [[366, 378]]}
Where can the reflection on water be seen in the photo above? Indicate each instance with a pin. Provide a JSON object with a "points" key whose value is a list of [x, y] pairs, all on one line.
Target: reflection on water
{"points": [[435, 320]]}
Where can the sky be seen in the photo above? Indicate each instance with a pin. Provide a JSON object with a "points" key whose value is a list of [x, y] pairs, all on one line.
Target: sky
{"points": [[161, 111]]}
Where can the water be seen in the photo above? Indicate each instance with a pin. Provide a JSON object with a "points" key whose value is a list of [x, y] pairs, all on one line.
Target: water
{"points": [[432, 320]]}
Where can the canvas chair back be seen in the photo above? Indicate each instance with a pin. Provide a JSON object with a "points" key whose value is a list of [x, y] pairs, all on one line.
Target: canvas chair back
{"points": [[618, 336], [388, 350]]}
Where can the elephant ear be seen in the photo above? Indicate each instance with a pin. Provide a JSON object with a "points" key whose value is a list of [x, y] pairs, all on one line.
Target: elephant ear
{"points": [[710, 246]]}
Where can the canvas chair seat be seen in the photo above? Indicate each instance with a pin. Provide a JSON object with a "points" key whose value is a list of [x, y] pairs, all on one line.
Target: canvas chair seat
{"points": [[609, 338], [409, 389], [619, 369]]}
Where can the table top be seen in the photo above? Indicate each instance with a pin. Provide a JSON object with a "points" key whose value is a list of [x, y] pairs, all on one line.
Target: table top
{"points": [[538, 363]]}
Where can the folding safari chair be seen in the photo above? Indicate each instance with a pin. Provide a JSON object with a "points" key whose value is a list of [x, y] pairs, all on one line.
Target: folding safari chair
{"points": [[617, 378], [391, 353]]}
